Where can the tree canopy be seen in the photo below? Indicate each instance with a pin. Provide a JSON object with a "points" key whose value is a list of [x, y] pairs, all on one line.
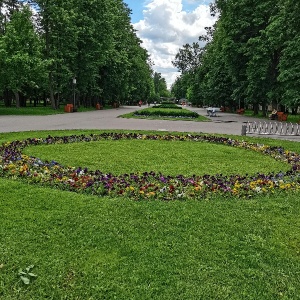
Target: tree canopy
{"points": [[45, 45], [250, 58]]}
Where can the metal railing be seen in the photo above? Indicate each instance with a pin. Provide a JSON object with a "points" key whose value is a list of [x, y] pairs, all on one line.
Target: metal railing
{"points": [[269, 128]]}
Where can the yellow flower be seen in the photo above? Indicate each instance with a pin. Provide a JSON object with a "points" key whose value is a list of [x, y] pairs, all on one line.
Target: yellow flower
{"points": [[238, 185], [130, 188], [235, 191], [271, 184], [11, 166], [151, 194]]}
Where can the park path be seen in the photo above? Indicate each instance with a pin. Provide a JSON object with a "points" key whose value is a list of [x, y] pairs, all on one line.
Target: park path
{"points": [[223, 123]]}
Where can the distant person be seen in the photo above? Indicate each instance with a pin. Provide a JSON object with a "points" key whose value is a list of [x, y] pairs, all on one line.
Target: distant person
{"points": [[273, 115]]}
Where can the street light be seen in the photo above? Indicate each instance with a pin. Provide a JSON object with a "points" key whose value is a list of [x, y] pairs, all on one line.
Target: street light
{"points": [[74, 96]]}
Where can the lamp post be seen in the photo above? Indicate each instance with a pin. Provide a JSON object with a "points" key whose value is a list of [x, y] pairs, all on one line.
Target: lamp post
{"points": [[74, 96]]}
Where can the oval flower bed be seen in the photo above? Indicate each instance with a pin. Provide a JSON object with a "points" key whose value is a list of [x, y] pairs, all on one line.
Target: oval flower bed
{"points": [[147, 185]]}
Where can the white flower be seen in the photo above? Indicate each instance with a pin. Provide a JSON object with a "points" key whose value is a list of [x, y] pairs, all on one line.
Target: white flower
{"points": [[163, 189], [258, 189]]}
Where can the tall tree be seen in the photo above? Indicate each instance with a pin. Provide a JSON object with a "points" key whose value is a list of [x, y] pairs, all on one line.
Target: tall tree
{"points": [[188, 58], [22, 65], [91, 41], [160, 85], [289, 65], [60, 35]]}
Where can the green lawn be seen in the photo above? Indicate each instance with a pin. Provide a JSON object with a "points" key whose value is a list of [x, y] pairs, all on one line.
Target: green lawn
{"points": [[168, 157], [36, 111], [39, 110], [85, 247]]}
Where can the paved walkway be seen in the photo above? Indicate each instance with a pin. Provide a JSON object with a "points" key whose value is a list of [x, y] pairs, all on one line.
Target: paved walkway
{"points": [[223, 123]]}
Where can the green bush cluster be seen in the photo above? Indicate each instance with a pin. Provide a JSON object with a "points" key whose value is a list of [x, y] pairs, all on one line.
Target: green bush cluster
{"points": [[167, 102], [167, 112], [167, 105]]}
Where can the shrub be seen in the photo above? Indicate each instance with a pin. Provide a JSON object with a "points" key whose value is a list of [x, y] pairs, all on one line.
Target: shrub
{"points": [[167, 102], [167, 105], [167, 112]]}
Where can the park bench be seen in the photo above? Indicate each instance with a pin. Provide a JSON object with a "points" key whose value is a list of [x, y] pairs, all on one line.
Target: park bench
{"points": [[212, 111]]}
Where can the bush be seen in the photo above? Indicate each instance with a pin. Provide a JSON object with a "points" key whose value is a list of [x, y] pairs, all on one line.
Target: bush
{"points": [[167, 105], [167, 112], [167, 102]]}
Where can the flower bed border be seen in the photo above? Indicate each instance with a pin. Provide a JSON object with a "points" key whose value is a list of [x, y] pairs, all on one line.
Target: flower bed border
{"points": [[147, 185]]}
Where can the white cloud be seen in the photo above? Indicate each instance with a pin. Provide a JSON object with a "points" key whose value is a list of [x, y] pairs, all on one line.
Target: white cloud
{"points": [[166, 27]]}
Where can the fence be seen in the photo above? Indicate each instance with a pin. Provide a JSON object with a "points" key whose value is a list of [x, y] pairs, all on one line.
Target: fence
{"points": [[277, 128]]}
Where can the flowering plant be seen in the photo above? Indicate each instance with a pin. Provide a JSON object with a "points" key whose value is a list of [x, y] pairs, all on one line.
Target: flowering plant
{"points": [[147, 185]]}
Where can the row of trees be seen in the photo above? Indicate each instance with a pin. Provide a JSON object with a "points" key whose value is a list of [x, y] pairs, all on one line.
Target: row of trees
{"points": [[250, 57], [48, 49]]}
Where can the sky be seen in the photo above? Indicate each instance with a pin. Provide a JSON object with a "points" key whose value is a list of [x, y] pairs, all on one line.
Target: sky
{"points": [[165, 26]]}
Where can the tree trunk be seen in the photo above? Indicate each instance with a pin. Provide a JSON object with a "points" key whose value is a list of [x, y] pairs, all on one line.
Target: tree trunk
{"points": [[255, 109], [17, 98], [57, 101], [22, 100], [294, 110], [7, 98], [282, 108], [264, 110], [52, 99]]}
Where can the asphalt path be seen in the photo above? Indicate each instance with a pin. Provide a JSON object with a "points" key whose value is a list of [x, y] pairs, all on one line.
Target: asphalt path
{"points": [[223, 123]]}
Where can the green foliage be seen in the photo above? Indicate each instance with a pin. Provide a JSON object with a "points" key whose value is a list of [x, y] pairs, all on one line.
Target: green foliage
{"points": [[180, 86], [251, 58], [21, 61], [289, 66], [26, 275], [167, 105], [166, 112], [188, 58], [92, 41], [167, 102], [160, 85]]}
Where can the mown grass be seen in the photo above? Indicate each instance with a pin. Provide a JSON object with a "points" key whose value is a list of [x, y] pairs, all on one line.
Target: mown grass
{"points": [[37, 111], [168, 157], [89, 248], [84, 247]]}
